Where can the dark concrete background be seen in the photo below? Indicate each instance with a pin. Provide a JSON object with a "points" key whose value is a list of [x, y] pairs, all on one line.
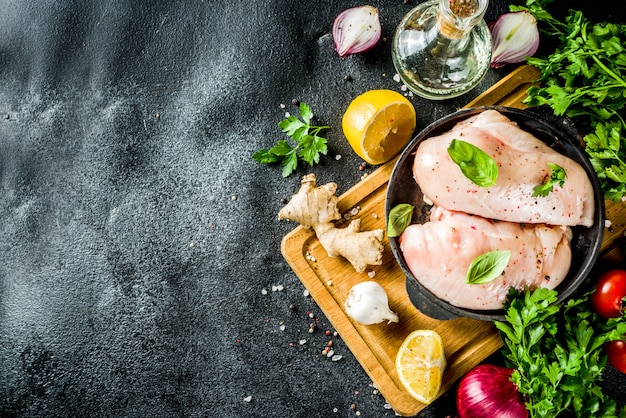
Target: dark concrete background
{"points": [[137, 235]]}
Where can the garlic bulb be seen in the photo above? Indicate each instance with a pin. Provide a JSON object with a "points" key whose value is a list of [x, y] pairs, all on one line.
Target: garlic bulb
{"points": [[356, 30], [368, 304]]}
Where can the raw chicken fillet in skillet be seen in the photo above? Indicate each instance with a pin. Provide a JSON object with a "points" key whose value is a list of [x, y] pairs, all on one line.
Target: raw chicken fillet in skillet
{"points": [[468, 220], [522, 161]]}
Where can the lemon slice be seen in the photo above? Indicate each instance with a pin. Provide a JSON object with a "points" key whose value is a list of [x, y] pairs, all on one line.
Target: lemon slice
{"points": [[420, 364], [378, 124]]}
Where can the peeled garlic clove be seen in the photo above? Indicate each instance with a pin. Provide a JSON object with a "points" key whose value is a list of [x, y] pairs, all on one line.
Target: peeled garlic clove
{"points": [[515, 36], [368, 304], [356, 30]]}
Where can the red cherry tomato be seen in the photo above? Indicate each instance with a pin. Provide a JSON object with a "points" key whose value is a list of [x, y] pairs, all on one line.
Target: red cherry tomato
{"points": [[609, 299], [616, 352]]}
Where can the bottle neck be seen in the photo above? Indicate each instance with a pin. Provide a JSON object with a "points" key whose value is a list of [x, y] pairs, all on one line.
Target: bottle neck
{"points": [[457, 18]]}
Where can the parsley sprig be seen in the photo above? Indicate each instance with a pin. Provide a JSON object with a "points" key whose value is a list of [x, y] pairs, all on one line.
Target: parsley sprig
{"points": [[557, 176], [309, 145], [584, 78], [557, 351]]}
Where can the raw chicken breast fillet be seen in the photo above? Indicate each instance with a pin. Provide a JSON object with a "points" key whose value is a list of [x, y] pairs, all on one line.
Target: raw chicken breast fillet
{"points": [[439, 253], [522, 163]]}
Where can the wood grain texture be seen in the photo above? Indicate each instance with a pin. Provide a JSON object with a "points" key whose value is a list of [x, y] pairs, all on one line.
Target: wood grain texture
{"points": [[467, 341]]}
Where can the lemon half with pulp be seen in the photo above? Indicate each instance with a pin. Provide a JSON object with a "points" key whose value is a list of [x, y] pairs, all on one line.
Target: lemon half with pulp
{"points": [[420, 364], [378, 124]]}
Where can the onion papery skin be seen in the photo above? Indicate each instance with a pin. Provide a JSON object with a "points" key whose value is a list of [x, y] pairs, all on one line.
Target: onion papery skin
{"points": [[515, 36], [356, 30], [487, 391]]}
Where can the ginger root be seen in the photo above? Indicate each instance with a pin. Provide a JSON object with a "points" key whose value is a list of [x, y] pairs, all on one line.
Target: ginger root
{"points": [[316, 207]]}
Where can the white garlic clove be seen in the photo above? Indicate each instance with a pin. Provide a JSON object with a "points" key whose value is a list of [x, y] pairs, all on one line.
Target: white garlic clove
{"points": [[368, 304]]}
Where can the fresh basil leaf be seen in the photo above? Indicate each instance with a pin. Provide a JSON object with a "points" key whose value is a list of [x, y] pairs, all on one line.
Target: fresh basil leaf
{"points": [[488, 266], [399, 218], [474, 163]]}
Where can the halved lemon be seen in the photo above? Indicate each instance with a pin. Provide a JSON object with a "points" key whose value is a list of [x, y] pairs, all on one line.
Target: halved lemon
{"points": [[420, 364], [378, 124]]}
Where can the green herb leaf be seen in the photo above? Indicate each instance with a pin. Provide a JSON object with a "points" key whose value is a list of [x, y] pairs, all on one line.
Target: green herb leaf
{"points": [[289, 163], [557, 353], [399, 218], [309, 146], [266, 157], [557, 176], [474, 163], [488, 266], [584, 78]]}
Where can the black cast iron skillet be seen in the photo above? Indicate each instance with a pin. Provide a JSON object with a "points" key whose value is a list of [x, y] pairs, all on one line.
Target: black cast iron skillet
{"points": [[558, 133]]}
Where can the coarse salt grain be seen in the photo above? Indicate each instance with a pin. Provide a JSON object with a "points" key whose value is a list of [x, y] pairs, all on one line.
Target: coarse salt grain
{"points": [[282, 327], [337, 157], [607, 223], [336, 357], [247, 399], [371, 274], [396, 78], [264, 291], [375, 215], [302, 341]]}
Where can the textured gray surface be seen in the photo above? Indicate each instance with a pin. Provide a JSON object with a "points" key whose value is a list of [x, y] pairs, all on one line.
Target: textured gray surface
{"points": [[136, 232]]}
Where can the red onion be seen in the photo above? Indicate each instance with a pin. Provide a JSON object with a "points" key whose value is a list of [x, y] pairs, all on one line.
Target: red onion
{"points": [[356, 30], [515, 36], [487, 391]]}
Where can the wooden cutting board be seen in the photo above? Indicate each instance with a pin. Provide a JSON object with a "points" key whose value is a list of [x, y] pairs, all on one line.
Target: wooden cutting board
{"points": [[467, 341]]}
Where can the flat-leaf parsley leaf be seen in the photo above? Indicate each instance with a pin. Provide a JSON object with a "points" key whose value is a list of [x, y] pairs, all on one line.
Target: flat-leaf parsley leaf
{"points": [[557, 176], [584, 78], [308, 147], [557, 351]]}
